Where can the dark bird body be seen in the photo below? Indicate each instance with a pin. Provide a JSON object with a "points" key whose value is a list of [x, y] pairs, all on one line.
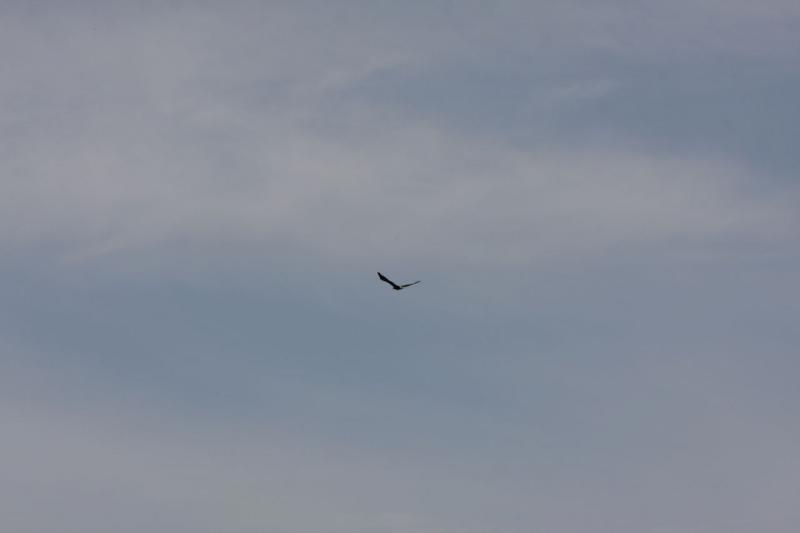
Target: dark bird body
{"points": [[394, 285]]}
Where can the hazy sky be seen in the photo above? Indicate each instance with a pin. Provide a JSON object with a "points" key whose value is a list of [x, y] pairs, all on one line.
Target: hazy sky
{"points": [[601, 199]]}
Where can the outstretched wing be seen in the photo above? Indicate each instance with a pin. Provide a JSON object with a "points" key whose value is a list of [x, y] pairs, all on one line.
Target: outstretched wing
{"points": [[387, 280], [408, 285]]}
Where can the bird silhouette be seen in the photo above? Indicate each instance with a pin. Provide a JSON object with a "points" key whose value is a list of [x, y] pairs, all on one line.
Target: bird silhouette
{"points": [[394, 285]]}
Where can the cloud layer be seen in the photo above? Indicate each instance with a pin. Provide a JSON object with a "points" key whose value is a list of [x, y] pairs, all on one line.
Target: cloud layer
{"points": [[125, 133], [600, 199]]}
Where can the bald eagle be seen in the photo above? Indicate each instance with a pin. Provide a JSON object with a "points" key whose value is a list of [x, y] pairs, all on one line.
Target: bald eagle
{"points": [[394, 285]]}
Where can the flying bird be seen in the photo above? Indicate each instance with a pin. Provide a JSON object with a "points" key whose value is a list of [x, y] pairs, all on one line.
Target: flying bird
{"points": [[394, 285]]}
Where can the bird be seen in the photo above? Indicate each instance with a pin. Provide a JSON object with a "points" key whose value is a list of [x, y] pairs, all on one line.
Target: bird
{"points": [[394, 285]]}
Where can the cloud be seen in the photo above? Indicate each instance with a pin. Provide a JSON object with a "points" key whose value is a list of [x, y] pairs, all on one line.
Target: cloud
{"points": [[385, 186], [709, 458], [130, 179], [205, 129], [597, 174]]}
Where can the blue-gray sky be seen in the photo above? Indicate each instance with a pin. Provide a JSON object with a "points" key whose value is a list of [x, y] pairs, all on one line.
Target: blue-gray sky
{"points": [[601, 199]]}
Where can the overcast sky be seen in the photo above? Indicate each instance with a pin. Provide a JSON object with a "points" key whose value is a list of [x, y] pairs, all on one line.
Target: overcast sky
{"points": [[601, 199]]}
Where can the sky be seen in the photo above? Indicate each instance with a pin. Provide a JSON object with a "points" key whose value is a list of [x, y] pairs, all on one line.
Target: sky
{"points": [[600, 198]]}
